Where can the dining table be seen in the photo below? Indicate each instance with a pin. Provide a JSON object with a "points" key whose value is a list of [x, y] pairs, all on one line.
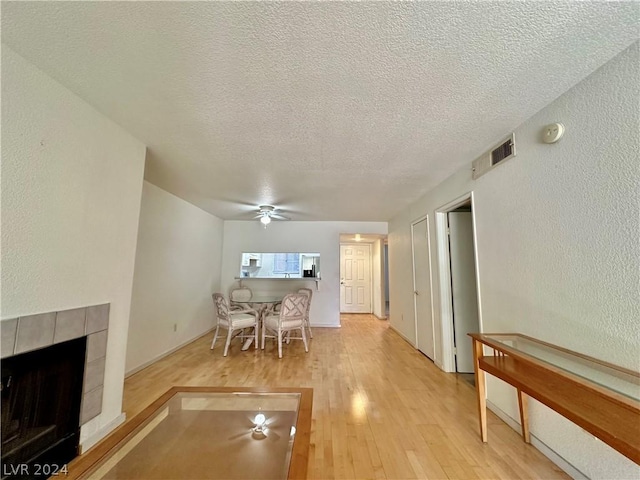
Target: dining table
{"points": [[263, 304]]}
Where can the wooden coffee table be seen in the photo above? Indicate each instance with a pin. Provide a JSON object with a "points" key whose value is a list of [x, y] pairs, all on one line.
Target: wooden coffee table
{"points": [[208, 433]]}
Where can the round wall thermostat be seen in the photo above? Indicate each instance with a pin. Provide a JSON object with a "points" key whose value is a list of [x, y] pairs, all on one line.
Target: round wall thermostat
{"points": [[552, 133]]}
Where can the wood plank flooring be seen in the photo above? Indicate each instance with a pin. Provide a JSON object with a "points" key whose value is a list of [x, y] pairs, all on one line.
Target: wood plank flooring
{"points": [[381, 410]]}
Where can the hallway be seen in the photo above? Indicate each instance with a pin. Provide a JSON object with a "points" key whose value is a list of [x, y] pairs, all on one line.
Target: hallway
{"points": [[380, 408]]}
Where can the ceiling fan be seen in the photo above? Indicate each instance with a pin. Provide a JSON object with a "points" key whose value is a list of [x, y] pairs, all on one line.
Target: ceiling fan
{"points": [[268, 212]]}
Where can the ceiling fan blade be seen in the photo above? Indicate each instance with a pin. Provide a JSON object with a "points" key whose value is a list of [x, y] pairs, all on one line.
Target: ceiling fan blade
{"points": [[277, 216]]}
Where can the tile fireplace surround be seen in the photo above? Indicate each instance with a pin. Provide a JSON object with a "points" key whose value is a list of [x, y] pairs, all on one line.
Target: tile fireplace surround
{"points": [[32, 332]]}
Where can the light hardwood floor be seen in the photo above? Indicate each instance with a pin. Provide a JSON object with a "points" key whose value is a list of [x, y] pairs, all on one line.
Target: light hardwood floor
{"points": [[380, 408]]}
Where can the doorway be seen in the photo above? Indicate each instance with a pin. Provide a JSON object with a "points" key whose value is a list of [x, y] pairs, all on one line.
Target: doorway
{"points": [[355, 278], [422, 292], [460, 296]]}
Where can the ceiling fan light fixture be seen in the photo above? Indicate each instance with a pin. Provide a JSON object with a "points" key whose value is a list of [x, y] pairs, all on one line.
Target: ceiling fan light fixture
{"points": [[267, 213]]}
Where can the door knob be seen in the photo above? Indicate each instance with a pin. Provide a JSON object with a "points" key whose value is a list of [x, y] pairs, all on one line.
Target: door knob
{"points": [[415, 292]]}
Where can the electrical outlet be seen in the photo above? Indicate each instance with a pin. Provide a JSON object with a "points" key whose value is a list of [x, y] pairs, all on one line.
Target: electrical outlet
{"points": [[175, 327]]}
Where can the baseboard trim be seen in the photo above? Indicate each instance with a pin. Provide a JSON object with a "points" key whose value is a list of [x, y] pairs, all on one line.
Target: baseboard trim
{"points": [[569, 469], [91, 440], [135, 370], [392, 327], [413, 345]]}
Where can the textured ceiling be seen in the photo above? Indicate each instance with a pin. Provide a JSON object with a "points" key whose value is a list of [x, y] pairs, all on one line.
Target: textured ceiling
{"points": [[330, 110]]}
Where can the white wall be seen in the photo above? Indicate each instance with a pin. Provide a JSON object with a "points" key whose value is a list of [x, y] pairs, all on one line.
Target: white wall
{"points": [[178, 265], [71, 186], [320, 237], [557, 240]]}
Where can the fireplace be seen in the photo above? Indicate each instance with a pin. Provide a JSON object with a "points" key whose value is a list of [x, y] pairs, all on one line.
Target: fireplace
{"points": [[53, 368], [41, 396]]}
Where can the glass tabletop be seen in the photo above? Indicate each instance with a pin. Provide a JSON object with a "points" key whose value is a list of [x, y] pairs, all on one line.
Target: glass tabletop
{"points": [[613, 378], [209, 435], [264, 299]]}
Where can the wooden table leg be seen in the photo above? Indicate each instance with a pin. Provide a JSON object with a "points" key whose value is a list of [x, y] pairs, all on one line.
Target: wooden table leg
{"points": [[524, 415], [481, 389]]}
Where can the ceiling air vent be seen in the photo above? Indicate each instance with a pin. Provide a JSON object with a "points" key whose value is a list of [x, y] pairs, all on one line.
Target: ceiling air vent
{"points": [[502, 152]]}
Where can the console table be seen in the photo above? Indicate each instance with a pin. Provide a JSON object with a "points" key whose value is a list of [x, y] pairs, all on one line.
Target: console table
{"points": [[602, 398]]}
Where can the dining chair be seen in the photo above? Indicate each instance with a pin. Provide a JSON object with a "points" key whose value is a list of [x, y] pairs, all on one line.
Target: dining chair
{"points": [[233, 321], [237, 297], [309, 293], [288, 319]]}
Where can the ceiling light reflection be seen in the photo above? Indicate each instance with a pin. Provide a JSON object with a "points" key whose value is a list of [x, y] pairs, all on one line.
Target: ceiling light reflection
{"points": [[359, 404], [259, 421]]}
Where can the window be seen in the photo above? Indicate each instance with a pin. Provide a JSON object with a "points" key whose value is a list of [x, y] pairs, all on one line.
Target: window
{"points": [[286, 263]]}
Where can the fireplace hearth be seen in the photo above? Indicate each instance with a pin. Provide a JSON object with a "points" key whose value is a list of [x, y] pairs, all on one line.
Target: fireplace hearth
{"points": [[53, 371]]}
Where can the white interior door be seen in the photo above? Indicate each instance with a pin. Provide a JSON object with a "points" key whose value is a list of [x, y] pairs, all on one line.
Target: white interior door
{"points": [[355, 278], [463, 287], [422, 288]]}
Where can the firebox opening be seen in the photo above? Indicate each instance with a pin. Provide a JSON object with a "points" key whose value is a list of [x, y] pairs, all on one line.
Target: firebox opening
{"points": [[41, 397]]}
